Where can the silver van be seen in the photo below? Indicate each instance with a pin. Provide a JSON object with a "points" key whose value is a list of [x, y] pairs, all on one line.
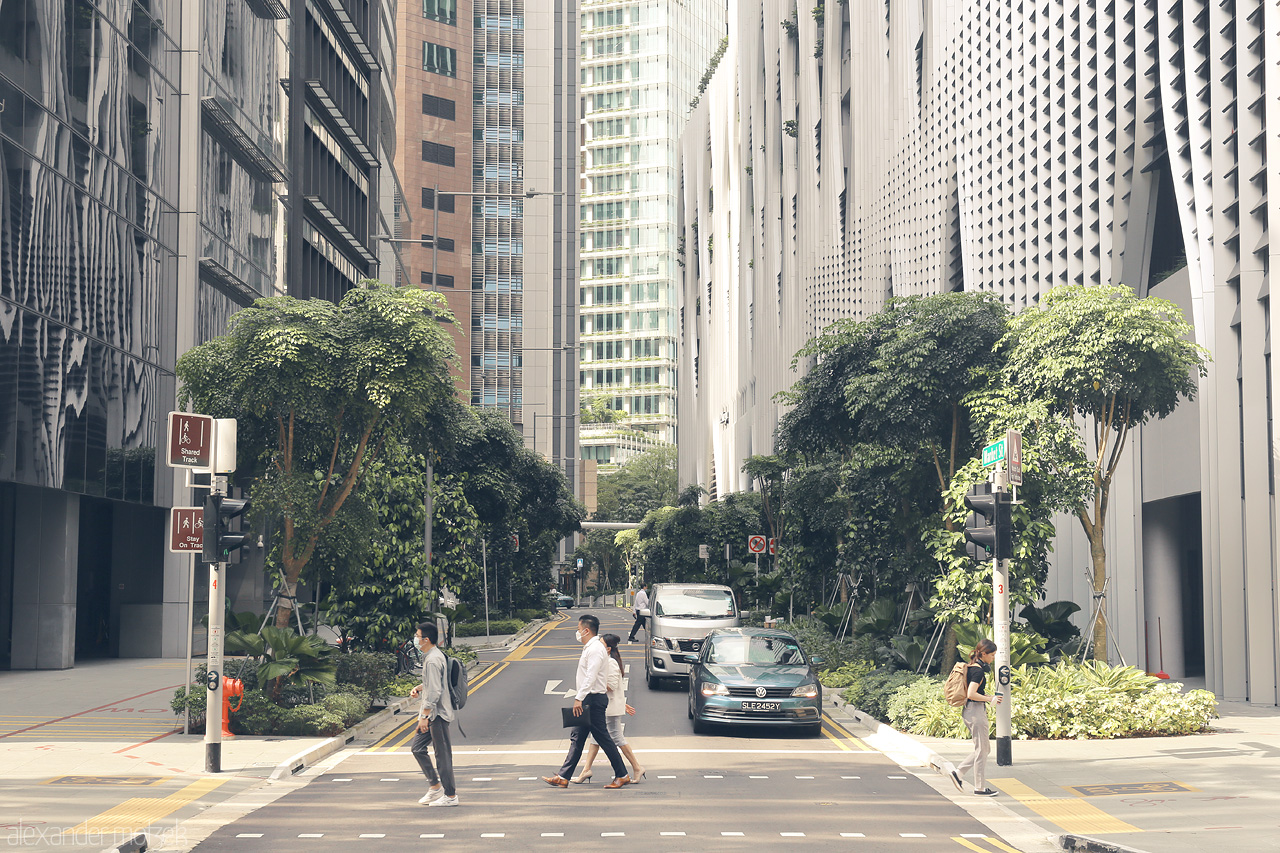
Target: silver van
{"points": [[678, 617]]}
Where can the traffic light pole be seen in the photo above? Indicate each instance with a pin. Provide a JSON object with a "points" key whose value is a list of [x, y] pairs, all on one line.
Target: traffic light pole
{"points": [[217, 607], [1000, 620]]}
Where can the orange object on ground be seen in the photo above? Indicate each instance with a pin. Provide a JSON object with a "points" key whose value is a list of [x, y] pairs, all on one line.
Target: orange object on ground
{"points": [[230, 687]]}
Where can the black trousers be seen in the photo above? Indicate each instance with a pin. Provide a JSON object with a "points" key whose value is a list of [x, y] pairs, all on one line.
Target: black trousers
{"points": [[598, 703], [639, 623]]}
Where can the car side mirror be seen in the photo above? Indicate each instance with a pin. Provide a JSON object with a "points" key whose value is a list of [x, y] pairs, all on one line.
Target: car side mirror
{"points": [[815, 661]]}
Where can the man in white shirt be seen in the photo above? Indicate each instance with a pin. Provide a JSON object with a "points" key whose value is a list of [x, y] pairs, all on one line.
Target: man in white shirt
{"points": [[591, 700], [641, 603]]}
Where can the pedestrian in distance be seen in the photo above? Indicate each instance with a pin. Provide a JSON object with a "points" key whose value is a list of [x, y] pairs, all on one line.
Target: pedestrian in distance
{"points": [[615, 715], [434, 716], [591, 699], [641, 602], [975, 717]]}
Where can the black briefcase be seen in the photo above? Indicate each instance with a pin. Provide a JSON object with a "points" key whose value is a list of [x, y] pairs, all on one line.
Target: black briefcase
{"points": [[569, 721]]}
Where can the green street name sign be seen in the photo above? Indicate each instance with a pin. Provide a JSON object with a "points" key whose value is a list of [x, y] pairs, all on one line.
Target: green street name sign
{"points": [[993, 453]]}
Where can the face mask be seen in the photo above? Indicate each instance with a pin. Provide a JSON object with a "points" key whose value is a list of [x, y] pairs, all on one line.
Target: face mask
{"points": [[577, 635]]}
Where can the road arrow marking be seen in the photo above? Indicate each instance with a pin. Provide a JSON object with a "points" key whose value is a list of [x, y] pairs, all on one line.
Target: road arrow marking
{"points": [[553, 687]]}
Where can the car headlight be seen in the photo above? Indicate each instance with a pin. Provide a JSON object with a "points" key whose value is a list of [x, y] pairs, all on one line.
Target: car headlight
{"points": [[660, 643], [806, 691], [709, 689]]}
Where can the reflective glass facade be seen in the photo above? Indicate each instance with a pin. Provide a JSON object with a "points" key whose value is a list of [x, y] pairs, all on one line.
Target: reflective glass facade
{"points": [[640, 68]]}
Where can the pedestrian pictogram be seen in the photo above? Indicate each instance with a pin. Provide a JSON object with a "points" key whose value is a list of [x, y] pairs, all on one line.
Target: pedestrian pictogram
{"points": [[186, 529], [190, 440], [756, 544]]}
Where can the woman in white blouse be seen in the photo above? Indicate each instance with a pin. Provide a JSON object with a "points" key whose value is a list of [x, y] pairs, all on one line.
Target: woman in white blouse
{"points": [[618, 708]]}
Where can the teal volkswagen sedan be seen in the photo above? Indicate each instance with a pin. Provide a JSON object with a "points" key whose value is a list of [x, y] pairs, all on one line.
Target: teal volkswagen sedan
{"points": [[754, 677]]}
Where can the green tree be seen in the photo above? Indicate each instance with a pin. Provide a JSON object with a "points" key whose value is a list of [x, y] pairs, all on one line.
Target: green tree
{"points": [[318, 390], [1101, 354]]}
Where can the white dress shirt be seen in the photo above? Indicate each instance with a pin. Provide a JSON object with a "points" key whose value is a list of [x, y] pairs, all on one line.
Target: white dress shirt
{"points": [[593, 675], [641, 602]]}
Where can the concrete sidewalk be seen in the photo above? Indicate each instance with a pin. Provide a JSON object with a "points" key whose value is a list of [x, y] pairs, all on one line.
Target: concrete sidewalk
{"points": [[90, 755], [1156, 795]]}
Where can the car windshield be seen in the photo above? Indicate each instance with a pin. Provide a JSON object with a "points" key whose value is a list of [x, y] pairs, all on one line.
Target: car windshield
{"points": [[695, 603], [735, 649]]}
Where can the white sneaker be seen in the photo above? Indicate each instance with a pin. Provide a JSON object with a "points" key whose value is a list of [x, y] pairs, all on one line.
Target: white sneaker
{"points": [[432, 795], [444, 801]]}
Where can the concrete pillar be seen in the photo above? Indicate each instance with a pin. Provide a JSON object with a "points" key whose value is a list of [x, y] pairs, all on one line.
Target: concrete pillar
{"points": [[46, 560], [1162, 586]]}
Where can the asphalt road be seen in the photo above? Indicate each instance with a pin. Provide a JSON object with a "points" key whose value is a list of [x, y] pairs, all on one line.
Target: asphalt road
{"points": [[713, 792]]}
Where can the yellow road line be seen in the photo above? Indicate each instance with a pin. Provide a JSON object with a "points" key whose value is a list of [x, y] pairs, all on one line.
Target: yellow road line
{"points": [[1070, 813], [964, 842], [140, 812], [1005, 847], [845, 734]]}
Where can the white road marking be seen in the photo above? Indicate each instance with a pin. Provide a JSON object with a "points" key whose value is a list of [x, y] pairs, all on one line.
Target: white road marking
{"points": [[312, 835], [482, 779], [373, 835], [342, 780], [757, 777], [792, 834], [912, 835], [850, 777], [432, 835], [712, 777], [553, 687], [613, 835], [553, 835], [249, 835], [972, 835], [527, 779], [666, 777], [897, 777], [388, 780], [671, 833], [804, 777], [852, 835], [493, 835], [734, 834]]}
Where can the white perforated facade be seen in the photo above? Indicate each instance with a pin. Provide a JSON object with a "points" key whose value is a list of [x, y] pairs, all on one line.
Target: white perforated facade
{"points": [[1012, 147]]}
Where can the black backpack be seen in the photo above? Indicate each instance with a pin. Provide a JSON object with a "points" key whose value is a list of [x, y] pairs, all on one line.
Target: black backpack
{"points": [[456, 679]]}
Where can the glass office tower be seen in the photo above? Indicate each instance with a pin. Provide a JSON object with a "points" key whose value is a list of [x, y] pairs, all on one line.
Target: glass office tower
{"points": [[640, 68]]}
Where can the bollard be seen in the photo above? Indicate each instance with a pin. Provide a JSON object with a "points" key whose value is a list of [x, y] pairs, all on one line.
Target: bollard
{"points": [[230, 687]]}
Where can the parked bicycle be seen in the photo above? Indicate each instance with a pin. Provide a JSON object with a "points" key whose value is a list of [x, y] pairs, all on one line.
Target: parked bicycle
{"points": [[408, 658]]}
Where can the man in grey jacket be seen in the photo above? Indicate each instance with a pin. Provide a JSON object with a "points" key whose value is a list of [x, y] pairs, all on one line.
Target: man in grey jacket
{"points": [[434, 716]]}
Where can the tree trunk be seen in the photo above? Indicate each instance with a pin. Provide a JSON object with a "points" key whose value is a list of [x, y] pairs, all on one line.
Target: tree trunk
{"points": [[1098, 552]]}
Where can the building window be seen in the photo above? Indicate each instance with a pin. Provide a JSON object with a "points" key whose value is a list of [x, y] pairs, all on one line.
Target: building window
{"points": [[439, 59], [434, 152], [429, 197], [444, 244], [439, 107], [441, 279], [444, 11]]}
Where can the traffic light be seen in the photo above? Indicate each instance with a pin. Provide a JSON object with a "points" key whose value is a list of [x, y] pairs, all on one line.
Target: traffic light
{"points": [[989, 529], [219, 541]]}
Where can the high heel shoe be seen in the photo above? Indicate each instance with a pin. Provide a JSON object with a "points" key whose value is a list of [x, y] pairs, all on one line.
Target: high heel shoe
{"points": [[581, 778], [637, 775]]}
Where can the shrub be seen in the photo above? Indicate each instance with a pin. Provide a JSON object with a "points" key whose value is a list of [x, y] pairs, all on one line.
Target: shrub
{"points": [[350, 707], [818, 641], [258, 715], [845, 676], [401, 685], [196, 700], [871, 694], [462, 652], [528, 614], [919, 708], [309, 720], [368, 671], [496, 626], [1090, 700]]}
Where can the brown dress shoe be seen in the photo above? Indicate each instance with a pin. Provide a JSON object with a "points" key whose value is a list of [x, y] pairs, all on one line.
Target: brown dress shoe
{"points": [[619, 782], [557, 782]]}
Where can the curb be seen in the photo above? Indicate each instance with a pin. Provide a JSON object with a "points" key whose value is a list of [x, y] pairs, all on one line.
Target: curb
{"points": [[515, 640], [136, 844], [888, 739], [298, 761], [1085, 844]]}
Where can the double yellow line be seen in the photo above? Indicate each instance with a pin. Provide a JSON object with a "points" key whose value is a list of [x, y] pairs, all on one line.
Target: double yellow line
{"points": [[402, 734], [838, 734]]}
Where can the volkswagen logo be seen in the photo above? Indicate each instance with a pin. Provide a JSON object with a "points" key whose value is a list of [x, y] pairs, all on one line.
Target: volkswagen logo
{"points": [[761, 692]]}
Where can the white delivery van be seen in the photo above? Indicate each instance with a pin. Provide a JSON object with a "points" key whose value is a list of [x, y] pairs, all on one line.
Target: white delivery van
{"points": [[678, 617]]}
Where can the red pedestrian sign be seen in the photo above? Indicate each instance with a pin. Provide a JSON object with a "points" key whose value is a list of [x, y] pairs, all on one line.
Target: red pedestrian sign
{"points": [[773, 547], [756, 544], [186, 529], [190, 440]]}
